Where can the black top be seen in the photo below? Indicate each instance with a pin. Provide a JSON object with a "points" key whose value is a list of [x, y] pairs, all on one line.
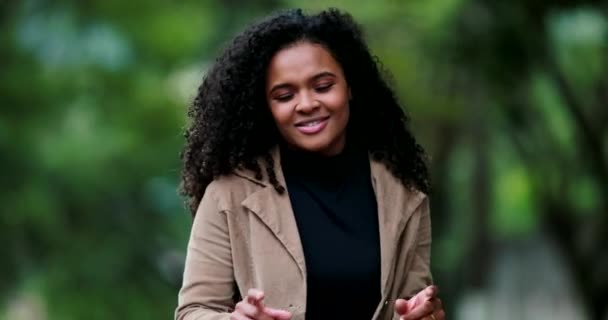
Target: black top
{"points": [[337, 218]]}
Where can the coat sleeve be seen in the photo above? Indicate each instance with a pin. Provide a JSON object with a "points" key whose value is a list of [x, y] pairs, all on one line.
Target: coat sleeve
{"points": [[208, 282], [419, 275]]}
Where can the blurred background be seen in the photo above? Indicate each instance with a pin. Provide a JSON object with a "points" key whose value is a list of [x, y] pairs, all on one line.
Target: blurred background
{"points": [[510, 99]]}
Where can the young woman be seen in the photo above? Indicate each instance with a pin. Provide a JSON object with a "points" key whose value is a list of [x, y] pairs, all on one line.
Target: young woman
{"points": [[308, 190]]}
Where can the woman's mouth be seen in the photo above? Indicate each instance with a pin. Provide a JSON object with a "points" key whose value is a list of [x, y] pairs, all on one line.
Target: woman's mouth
{"points": [[313, 126]]}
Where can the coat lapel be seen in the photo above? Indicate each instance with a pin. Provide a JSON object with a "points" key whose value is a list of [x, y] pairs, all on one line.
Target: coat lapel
{"points": [[395, 207], [276, 212]]}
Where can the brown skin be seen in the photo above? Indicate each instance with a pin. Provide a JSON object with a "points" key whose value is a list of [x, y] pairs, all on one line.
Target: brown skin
{"points": [[304, 83]]}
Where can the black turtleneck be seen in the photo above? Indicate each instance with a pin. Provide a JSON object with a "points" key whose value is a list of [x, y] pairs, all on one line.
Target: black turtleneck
{"points": [[337, 218]]}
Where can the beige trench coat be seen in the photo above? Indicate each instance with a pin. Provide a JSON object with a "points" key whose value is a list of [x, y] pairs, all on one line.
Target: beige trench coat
{"points": [[245, 236]]}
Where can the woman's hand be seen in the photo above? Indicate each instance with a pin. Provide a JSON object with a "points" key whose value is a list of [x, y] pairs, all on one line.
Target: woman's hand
{"points": [[252, 308], [423, 306]]}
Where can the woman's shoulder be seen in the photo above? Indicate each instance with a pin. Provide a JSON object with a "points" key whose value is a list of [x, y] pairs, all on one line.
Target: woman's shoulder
{"points": [[393, 188], [232, 189]]}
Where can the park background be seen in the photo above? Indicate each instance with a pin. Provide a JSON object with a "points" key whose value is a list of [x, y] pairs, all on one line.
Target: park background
{"points": [[509, 98]]}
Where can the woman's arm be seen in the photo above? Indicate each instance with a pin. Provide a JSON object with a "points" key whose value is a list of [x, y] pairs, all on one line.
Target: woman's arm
{"points": [[208, 283]]}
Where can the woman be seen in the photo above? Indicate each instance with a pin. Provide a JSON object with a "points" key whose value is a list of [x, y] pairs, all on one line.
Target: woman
{"points": [[307, 188]]}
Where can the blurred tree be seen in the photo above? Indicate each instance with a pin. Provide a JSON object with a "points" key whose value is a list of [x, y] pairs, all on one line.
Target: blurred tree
{"points": [[545, 64], [94, 97], [510, 99]]}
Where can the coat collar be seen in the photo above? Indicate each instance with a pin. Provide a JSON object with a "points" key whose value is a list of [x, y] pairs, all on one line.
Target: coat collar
{"points": [[275, 210], [395, 206]]}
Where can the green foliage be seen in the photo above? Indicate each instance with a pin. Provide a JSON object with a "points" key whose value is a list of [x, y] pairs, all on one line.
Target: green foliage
{"points": [[94, 97], [579, 38], [514, 214]]}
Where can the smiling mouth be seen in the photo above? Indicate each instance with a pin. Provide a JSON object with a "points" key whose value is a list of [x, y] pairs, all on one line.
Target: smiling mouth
{"points": [[313, 126], [311, 123]]}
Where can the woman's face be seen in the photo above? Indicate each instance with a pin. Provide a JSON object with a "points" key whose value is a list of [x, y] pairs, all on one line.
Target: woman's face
{"points": [[308, 98]]}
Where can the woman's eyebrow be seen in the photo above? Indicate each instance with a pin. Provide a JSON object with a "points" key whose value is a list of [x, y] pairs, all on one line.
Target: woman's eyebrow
{"points": [[279, 86], [313, 78], [323, 74]]}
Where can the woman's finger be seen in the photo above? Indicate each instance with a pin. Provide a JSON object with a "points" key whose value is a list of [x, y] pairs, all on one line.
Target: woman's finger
{"points": [[401, 306], [437, 314], [253, 306], [423, 318], [419, 311], [239, 316], [278, 314], [248, 309], [431, 291], [423, 295], [255, 296]]}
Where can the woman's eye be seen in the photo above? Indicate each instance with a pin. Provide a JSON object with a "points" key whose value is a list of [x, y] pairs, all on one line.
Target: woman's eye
{"points": [[283, 97], [324, 87]]}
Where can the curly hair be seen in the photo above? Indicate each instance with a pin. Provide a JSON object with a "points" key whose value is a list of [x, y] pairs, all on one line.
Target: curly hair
{"points": [[231, 125]]}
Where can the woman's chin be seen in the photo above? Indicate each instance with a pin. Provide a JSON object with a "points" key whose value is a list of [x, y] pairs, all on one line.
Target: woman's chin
{"points": [[322, 148]]}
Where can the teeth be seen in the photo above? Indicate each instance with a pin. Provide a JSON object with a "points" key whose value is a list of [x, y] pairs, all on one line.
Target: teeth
{"points": [[313, 123]]}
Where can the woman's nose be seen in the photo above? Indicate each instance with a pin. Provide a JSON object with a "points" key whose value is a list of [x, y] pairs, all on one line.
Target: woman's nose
{"points": [[307, 103]]}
